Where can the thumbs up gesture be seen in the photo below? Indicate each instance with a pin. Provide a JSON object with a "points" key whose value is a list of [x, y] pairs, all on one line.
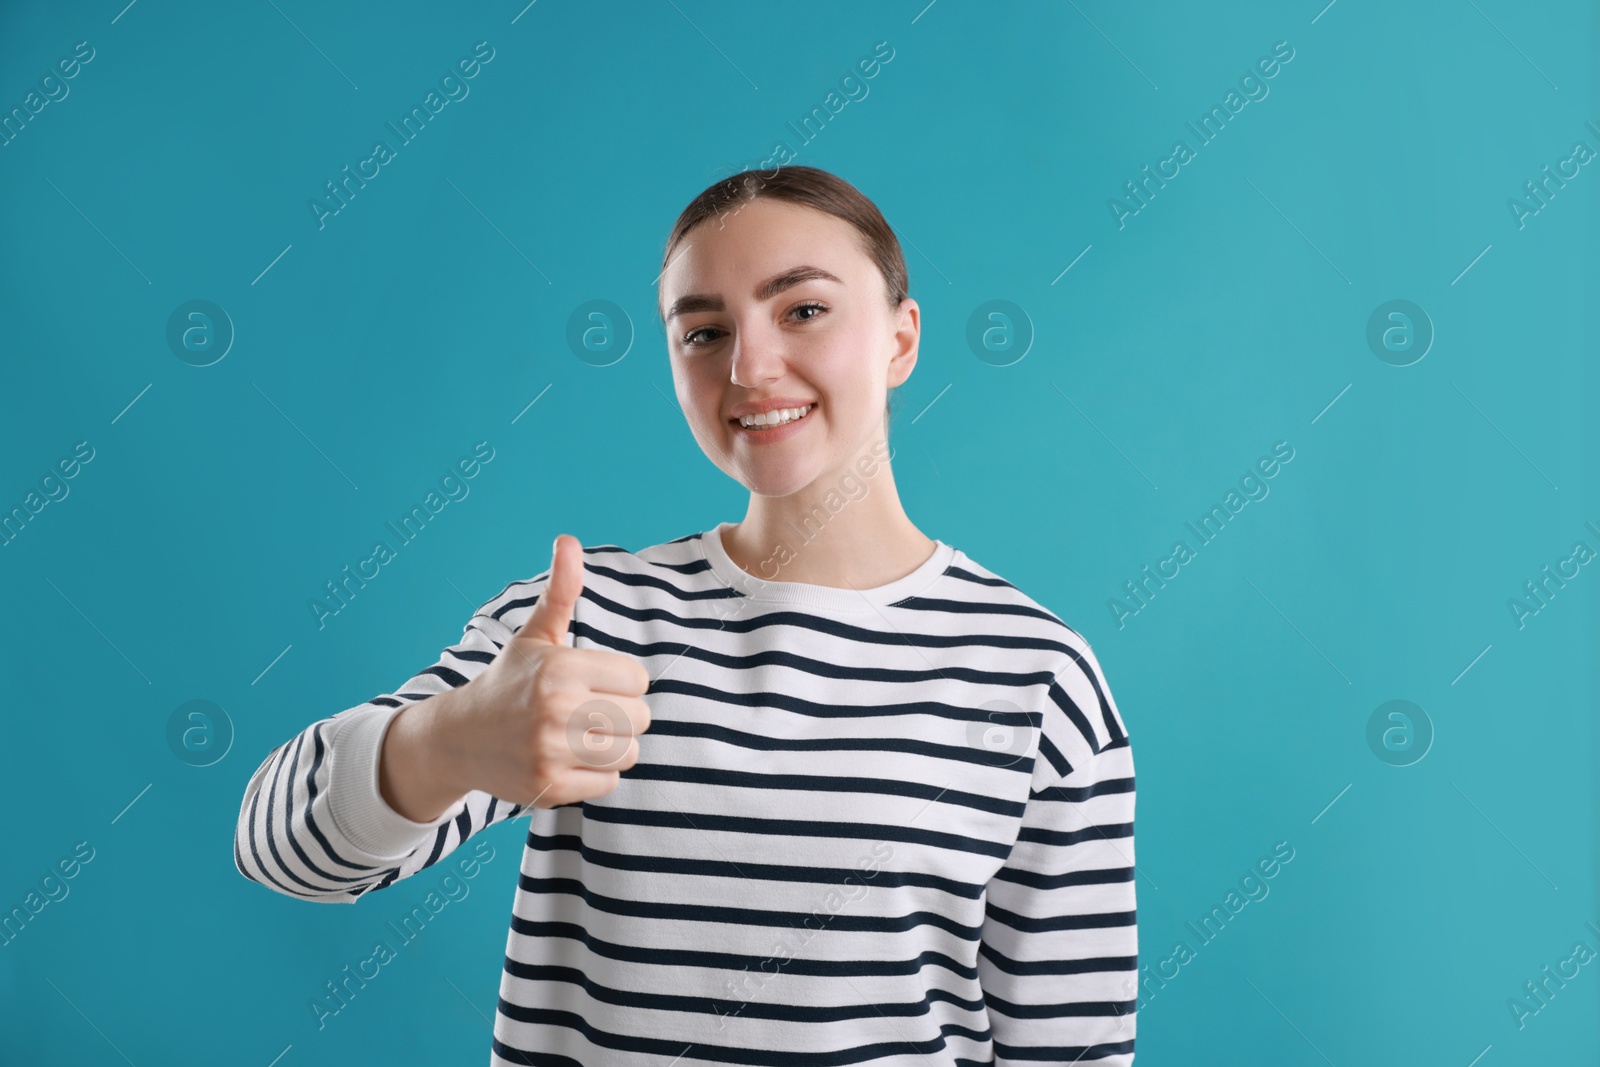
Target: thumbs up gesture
{"points": [[547, 724]]}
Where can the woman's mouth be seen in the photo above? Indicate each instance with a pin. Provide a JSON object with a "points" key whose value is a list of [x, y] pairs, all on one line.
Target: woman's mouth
{"points": [[784, 423]]}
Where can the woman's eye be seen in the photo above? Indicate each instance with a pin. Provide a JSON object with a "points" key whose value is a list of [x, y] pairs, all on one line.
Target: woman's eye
{"points": [[688, 340]]}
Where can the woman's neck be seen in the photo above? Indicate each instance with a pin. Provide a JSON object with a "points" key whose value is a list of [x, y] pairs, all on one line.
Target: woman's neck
{"points": [[864, 540]]}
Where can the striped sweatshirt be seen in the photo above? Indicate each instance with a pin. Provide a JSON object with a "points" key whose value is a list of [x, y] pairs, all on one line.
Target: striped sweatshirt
{"points": [[888, 826]]}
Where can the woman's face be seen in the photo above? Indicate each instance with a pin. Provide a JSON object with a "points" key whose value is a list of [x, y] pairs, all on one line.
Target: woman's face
{"points": [[776, 301]]}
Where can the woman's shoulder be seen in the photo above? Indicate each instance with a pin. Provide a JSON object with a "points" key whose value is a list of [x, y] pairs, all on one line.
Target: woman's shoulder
{"points": [[670, 565], [1081, 716], [973, 582]]}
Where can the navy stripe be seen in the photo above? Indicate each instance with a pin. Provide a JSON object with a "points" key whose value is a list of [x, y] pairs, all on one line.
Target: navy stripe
{"points": [[739, 963], [288, 830], [1053, 1011], [794, 828], [753, 917], [1064, 1053], [725, 1054], [1089, 921], [742, 1008], [311, 800], [1042, 968], [821, 783], [1078, 794], [1074, 715], [769, 872], [978, 757], [250, 830], [1073, 837], [1035, 880]]}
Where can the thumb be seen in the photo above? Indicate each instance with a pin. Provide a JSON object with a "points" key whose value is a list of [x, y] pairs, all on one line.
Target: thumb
{"points": [[552, 615]]}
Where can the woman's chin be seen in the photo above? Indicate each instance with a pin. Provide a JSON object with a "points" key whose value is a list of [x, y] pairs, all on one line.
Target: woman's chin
{"points": [[774, 477]]}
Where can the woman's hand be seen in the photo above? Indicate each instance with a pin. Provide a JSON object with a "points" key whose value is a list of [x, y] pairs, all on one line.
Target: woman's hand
{"points": [[544, 724]]}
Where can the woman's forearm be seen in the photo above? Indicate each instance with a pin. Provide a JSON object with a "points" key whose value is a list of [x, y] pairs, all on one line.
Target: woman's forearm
{"points": [[413, 776]]}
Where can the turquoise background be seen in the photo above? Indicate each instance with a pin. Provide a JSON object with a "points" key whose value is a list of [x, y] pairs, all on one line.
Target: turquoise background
{"points": [[1229, 314]]}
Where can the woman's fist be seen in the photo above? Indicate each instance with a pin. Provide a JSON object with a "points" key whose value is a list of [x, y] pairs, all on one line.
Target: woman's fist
{"points": [[546, 724]]}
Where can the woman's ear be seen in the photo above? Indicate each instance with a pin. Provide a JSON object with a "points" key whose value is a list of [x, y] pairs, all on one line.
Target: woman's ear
{"points": [[907, 335]]}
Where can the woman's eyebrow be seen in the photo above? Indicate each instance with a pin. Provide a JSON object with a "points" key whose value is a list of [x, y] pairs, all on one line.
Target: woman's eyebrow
{"points": [[763, 291]]}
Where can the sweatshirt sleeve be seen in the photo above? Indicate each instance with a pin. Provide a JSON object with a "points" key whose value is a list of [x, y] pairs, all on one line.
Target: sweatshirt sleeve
{"points": [[313, 824], [1059, 954]]}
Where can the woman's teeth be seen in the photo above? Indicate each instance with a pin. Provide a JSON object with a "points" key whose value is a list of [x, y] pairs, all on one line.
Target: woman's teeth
{"points": [[780, 417]]}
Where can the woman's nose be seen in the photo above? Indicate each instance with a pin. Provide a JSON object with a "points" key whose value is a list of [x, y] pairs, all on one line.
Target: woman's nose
{"points": [[756, 359]]}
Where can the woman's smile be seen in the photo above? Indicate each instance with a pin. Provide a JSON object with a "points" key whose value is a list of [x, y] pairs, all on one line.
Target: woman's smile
{"points": [[766, 435]]}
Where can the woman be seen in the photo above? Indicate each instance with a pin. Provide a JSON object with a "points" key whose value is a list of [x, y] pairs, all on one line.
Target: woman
{"points": [[810, 788]]}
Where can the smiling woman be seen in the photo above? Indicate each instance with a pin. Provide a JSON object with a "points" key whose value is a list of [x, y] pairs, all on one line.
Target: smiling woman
{"points": [[728, 198], [884, 810]]}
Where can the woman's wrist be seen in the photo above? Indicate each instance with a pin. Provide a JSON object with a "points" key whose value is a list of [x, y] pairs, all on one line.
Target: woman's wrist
{"points": [[414, 777]]}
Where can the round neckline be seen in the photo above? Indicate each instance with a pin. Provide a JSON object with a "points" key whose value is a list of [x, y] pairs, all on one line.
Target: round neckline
{"points": [[825, 597]]}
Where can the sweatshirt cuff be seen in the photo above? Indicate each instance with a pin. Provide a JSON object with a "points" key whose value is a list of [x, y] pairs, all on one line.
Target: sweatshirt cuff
{"points": [[357, 808]]}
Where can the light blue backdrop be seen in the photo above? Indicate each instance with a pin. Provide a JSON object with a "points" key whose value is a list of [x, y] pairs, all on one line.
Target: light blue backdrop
{"points": [[374, 348]]}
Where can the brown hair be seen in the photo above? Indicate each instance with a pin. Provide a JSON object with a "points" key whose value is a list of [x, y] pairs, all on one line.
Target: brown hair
{"points": [[809, 187]]}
